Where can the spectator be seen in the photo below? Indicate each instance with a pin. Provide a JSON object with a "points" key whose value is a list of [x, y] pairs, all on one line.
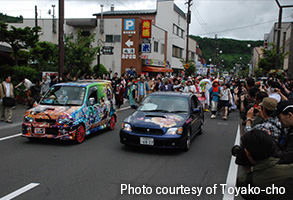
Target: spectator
{"points": [[166, 86], [66, 77], [285, 114], [132, 72], [27, 84], [258, 146], [6, 90], [35, 92], [225, 99], [271, 124], [45, 85], [141, 90], [189, 87], [53, 80]]}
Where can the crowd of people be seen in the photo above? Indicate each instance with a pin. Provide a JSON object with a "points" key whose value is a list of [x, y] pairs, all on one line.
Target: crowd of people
{"points": [[265, 111]]}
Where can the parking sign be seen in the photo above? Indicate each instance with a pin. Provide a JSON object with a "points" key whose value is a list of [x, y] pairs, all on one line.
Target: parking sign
{"points": [[129, 24]]}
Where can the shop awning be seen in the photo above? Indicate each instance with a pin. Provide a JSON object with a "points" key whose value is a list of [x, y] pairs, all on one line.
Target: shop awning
{"points": [[155, 69]]}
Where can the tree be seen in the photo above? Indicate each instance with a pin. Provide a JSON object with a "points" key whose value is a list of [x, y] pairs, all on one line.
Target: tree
{"points": [[18, 38], [79, 53], [267, 62], [44, 56], [192, 68]]}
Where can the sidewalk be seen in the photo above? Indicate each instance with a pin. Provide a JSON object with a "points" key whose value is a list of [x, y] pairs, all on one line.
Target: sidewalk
{"points": [[19, 111], [17, 116]]}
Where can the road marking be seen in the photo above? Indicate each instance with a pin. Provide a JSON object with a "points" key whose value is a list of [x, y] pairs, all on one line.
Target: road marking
{"points": [[222, 123], [233, 170], [124, 108], [9, 137], [19, 134], [20, 191]]}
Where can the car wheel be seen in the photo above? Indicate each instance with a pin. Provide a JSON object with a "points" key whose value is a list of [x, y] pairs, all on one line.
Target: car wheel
{"points": [[187, 141], [112, 123], [80, 134]]}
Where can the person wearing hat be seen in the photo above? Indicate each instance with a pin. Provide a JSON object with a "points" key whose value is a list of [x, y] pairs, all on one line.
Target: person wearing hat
{"points": [[285, 114], [189, 87], [265, 110], [215, 92]]}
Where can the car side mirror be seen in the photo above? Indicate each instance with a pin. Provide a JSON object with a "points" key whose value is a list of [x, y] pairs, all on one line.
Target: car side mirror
{"points": [[92, 101], [196, 110]]}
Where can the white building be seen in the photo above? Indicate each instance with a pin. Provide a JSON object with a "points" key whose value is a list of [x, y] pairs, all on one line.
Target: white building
{"points": [[122, 30]]}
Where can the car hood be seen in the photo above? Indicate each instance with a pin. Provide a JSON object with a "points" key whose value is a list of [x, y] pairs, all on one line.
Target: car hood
{"points": [[156, 120], [53, 112]]}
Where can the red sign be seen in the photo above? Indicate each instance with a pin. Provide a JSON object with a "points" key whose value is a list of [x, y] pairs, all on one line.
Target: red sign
{"points": [[146, 27]]}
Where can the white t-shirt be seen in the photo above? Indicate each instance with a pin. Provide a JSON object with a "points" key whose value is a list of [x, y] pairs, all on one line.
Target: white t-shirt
{"points": [[275, 96], [7, 85]]}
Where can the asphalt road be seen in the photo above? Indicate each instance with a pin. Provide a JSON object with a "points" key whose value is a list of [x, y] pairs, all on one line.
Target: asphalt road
{"points": [[100, 166]]}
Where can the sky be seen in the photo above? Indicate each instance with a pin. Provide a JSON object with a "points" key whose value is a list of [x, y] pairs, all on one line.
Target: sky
{"points": [[236, 19]]}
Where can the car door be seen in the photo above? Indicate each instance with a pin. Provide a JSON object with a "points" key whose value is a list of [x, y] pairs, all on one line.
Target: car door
{"points": [[195, 115], [92, 111]]}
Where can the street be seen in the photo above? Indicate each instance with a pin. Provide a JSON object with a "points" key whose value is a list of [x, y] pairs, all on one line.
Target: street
{"points": [[102, 168]]}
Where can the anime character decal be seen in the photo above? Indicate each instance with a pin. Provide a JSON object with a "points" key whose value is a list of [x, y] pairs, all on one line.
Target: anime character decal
{"points": [[167, 121]]}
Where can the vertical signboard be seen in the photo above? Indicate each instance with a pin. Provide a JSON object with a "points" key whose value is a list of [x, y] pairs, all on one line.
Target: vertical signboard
{"points": [[130, 44], [146, 27]]}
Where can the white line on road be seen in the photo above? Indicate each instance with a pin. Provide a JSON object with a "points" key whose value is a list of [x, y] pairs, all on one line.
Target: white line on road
{"points": [[19, 134], [232, 173], [11, 136], [20, 191]]}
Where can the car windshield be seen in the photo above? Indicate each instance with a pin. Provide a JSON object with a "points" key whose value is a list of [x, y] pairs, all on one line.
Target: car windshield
{"points": [[164, 104], [64, 95]]}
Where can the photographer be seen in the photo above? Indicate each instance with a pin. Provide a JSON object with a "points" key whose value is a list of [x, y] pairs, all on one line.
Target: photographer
{"points": [[266, 172], [271, 124]]}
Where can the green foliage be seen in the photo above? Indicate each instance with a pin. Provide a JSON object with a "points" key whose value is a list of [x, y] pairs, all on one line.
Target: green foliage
{"points": [[44, 56], [258, 72], [79, 53], [10, 19], [26, 71], [5, 70], [267, 62], [192, 68], [102, 70], [18, 38], [243, 73], [232, 50]]}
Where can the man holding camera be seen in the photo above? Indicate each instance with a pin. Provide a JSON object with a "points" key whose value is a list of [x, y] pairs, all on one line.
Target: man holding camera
{"points": [[271, 124]]}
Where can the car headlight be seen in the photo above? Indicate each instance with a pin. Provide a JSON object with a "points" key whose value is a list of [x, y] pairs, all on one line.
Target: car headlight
{"points": [[126, 127], [174, 131], [28, 119], [64, 120]]}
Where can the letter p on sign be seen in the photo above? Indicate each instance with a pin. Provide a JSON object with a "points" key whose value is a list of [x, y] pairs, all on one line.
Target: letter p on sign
{"points": [[129, 24]]}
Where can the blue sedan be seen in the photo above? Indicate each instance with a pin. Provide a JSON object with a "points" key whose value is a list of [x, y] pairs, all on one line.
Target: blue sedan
{"points": [[164, 119]]}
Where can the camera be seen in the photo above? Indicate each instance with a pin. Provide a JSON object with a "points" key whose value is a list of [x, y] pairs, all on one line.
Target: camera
{"points": [[255, 111], [240, 154]]}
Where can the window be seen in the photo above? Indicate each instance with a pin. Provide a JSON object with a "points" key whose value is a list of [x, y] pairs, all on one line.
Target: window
{"points": [[112, 38], [156, 46], [162, 48], [177, 51], [109, 38], [178, 31], [85, 33], [192, 56]]}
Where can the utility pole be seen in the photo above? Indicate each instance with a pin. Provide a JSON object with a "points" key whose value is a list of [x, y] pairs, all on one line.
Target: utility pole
{"points": [[36, 17], [187, 28], [61, 38]]}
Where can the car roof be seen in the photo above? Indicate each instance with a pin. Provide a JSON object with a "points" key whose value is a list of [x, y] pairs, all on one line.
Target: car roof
{"points": [[171, 93], [84, 83]]}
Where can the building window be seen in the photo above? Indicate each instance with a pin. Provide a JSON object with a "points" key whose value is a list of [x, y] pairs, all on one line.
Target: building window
{"points": [[178, 31], [85, 33], [162, 48], [177, 51], [156, 46], [113, 38], [192, 56]]}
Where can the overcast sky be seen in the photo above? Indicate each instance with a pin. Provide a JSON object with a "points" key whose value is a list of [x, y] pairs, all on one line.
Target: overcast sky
{"points": [[238, 19]]}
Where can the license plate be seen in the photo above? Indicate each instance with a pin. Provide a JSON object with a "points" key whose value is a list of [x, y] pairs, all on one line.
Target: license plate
{"points": [[146, 141], [39, 131]]}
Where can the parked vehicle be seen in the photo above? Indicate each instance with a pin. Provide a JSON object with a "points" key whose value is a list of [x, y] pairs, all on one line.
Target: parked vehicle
{"points": [[70, 111], [164, 119]]}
